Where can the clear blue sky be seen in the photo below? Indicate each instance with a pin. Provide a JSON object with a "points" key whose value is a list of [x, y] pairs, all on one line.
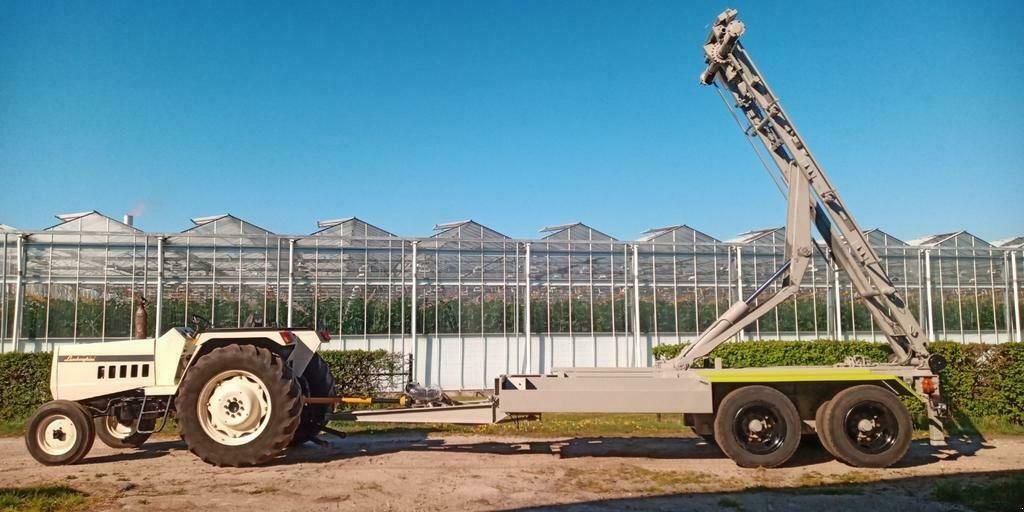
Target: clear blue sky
{"points": [[516, 114]]}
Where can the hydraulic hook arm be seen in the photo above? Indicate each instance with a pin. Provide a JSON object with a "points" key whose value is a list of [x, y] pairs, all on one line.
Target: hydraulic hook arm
{"points": [[810, 197]]}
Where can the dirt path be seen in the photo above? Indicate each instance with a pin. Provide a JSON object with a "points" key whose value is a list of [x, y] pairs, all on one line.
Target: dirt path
{"points": [[414, 472]]}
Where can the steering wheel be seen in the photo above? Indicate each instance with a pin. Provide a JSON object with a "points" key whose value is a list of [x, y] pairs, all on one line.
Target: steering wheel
{"points": [[198, 323]]}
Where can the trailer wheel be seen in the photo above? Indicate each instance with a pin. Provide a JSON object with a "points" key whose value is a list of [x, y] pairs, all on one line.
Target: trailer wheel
{"points": [[820, 428], [868, 427], [60, 432], [239, 405], [318, 381], [757, 426], [115, 434]]}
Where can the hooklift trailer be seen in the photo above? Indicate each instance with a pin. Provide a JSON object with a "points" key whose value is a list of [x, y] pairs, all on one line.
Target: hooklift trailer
{"points": [[241, 396]]}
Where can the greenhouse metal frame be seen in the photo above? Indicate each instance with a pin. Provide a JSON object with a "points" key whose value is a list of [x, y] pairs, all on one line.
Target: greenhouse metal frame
{"points": [[470, 303]]}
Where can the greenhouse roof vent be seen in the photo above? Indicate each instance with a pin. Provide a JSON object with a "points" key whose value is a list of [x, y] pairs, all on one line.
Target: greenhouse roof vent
{"points": [[68, 217], [575, 231], [955, 239], [1014, 241], [448, 225], [199, 221], [757, 235], [91, 221], [677, 233], [466, 230], [330, 223]]}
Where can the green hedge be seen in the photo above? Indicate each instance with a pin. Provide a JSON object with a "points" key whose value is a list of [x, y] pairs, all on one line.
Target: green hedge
{"points": [[981, 380], [358, 372], [24, 384], [784, 353]]}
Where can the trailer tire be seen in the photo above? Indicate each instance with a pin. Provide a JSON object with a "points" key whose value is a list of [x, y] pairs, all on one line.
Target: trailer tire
{"points": [[115, 434], [819, 427], [317, 381], [238, 405], [868, 427], [60, 432], [757, 426]]}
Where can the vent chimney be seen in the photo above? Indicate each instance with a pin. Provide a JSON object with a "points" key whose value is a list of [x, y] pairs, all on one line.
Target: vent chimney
{"points": [[129, 219]]}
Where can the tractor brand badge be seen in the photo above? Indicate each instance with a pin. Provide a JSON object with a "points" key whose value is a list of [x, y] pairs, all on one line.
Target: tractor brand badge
{"points": [[79, 359]]}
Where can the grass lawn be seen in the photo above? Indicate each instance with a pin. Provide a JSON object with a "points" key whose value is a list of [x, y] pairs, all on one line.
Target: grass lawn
{"points": [[12, 428], [43, 499], [1002, 493], [551, 425]]}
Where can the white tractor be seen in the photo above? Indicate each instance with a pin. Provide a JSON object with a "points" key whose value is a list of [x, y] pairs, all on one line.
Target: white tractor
{"points": [[237, 394]]}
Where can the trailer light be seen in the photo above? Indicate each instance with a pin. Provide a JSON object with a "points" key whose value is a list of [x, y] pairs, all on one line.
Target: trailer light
{"points": [[928, 385], [286, 337]]}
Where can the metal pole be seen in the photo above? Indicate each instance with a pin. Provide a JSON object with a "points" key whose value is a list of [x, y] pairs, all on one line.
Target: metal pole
{"points": [[636, 309], [839, 305], [739, 284], [1016, 296], [590, 267], [526, 314], [928, 293], [291, 277], [159, 286], [3, 296], [238, 306], [814, 299], [415, 306], [830, 318], [103, 308], [78, 288], [18, 292]]}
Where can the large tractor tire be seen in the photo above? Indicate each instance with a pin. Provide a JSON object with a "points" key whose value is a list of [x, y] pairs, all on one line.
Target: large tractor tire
{"points": [[239, 405], [116, 434], [757, 426], [867, 427], [60, 432], [316, 381]]}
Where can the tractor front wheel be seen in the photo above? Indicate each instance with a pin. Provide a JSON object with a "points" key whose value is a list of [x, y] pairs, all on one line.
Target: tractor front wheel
{"points": [[116, 434], [60, 432], [239, 405]]}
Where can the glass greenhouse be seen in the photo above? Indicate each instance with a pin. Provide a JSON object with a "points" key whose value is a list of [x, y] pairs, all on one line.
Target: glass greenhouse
{"points": [[470, 303]]}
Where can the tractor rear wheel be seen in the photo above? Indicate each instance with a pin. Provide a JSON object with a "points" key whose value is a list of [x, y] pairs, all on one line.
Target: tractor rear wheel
{"points": [[60, 432], [239, 405], [317, 381]]}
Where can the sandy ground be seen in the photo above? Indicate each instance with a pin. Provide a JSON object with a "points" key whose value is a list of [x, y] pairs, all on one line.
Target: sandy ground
{"points": [[459, 472]]}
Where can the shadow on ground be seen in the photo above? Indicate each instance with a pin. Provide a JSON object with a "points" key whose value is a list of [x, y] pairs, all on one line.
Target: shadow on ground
{"points": [[408, 440], [982, 491], [810, 452]]}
